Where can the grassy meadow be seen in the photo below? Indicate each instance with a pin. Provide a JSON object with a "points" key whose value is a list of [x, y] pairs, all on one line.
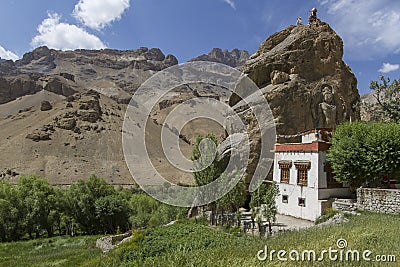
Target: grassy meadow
{"points": [[57, 251], [190, 244]]}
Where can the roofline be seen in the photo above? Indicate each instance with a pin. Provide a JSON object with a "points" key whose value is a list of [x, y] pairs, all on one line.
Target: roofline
{"points": [[316, 146]]}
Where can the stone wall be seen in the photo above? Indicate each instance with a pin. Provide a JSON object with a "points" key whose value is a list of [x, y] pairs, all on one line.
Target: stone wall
{"points": [[379, 200]]}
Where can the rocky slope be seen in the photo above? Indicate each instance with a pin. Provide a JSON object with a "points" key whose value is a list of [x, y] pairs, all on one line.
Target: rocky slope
{"points": [[61, 113], [72, 138]]}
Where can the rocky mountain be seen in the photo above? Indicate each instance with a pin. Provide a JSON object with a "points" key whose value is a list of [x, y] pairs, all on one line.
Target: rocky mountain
{"points": [[301, 73], [235, 58], [61, 113], [114, 73]]}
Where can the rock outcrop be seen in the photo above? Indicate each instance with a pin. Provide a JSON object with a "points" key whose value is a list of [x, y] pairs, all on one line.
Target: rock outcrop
{"points": [[302, 74], [14, 86]]}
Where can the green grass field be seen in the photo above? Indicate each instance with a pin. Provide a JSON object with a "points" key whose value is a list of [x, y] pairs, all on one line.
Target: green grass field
{"points": [[57, 251], [190, 244]]}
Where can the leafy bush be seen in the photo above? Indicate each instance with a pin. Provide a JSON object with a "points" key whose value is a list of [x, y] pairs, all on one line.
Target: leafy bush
{"points": [[148, 212], [365, 152]]}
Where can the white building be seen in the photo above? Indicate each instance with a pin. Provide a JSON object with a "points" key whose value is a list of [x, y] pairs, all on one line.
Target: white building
{"points": [[304, 178]]}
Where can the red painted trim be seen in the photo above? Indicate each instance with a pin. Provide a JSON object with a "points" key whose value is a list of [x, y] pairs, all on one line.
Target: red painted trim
{"points": [[313, 147]]}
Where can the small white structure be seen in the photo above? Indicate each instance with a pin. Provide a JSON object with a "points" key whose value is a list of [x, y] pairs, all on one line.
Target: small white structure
{"points": [[304, 178]]}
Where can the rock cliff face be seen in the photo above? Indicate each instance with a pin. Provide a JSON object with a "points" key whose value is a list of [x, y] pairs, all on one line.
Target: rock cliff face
{"points": [[302, 75]]}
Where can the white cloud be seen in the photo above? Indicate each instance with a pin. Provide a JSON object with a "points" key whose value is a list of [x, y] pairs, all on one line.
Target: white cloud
{"points": [[231, 3], [6, 54], [369, 27], [97, 14], [63, 36], [387, 67]]}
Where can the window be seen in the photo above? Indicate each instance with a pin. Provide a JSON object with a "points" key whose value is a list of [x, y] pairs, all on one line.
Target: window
{"points": [[302, 177], [285, 175], [285, 170], [285, 199], [302, 202], [302, 171]]}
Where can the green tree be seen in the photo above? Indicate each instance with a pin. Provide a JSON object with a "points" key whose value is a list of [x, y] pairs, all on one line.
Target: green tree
{"points": [[204, 152], [269, 209], [365, 152], [146, 211], [112, 213], [141, 207], [387, 96], [11, 213], [263, 204], [208, 167], [39, 200], [83, 197], [257, 197], [234, 199], [60, 208]]}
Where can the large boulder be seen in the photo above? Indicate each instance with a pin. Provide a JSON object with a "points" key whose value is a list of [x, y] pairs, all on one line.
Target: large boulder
{"points": [[59, 85], [45, 105]]}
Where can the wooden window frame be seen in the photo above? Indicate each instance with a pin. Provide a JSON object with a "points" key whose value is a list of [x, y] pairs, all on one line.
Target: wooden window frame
{"points": [[285, 167], [302, 172]]}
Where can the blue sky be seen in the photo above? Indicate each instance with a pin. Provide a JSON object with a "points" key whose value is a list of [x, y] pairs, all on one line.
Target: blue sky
{"points": [[187, 28]]}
